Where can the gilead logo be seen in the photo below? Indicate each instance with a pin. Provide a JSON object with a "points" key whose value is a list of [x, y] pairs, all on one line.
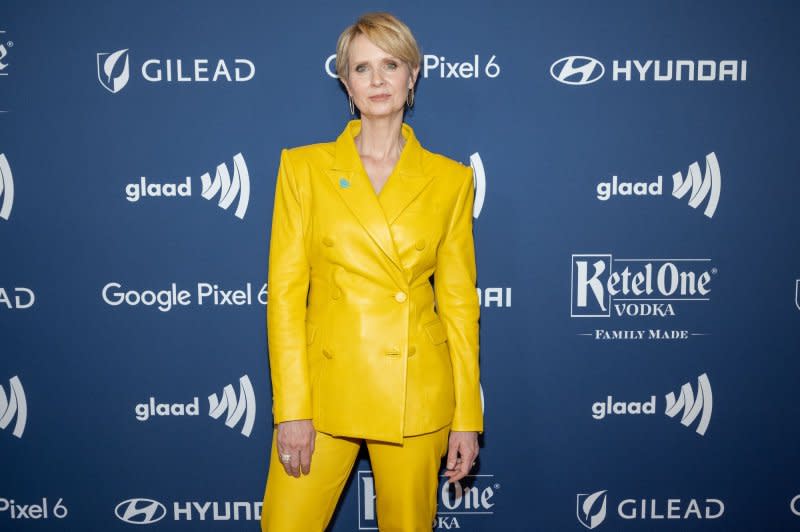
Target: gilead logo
{"points": [[591, 509]]}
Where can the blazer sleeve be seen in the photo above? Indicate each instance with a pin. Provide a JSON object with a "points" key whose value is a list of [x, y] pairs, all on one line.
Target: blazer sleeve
{"points": [[457, 303], [287, 283]]}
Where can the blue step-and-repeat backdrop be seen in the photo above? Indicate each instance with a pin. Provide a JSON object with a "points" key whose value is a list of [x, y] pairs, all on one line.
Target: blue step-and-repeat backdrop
{"points": [[636, 168]]}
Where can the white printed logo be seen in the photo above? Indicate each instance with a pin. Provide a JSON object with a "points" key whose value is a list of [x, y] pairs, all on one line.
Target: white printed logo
{"points": [[140, 511], [479, 179], [687, 402], [6, 188], [602, 285], [701, 405], [701, 187], [794, 505], [4, 46], [590, 513], [228, 187], [591, 509], [234, 408], [797, 294], [583, 70], [13, 404], [456, 501], [577, 70], [439, 66], [113, 70], [245, 405], [707, 186]]}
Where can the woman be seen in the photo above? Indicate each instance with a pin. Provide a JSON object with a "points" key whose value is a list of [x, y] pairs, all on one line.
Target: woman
{"points": [[363, 345]]}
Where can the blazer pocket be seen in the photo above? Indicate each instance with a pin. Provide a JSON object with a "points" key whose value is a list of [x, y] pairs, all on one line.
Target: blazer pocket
{"points": [[435, 331]]}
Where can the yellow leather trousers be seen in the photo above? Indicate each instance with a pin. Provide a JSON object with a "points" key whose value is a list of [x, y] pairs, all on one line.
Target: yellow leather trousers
{"points": [[405, 476]]}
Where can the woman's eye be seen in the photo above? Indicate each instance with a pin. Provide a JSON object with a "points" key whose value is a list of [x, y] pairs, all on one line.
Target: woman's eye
{"points": [[391, 65], [361, 68]]}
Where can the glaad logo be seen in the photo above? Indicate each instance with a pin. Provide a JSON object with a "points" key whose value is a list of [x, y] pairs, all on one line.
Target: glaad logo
{"points": [[591, 513], [701, 405], [577, 70], [794, 505], [690, 404], [456, 501], [236, 408], [13, 405], [245, 405], [708, 186], [6, 188], [439, 66], [113, 70], [228, 187], [479, 180], [583, 70], [140, 511]]}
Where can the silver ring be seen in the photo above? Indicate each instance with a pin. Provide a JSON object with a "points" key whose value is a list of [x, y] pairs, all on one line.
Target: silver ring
{"points": [[286, 458]]}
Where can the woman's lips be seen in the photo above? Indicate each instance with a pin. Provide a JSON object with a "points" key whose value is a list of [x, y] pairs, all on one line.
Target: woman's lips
{"points": [[379, 97]]}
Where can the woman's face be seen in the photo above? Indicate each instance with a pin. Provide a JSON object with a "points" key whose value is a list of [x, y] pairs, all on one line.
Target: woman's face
{"points": [[378, 82]]}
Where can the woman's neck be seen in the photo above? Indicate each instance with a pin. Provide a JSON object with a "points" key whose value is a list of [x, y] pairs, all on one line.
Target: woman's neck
{"points": [[380, 138]]}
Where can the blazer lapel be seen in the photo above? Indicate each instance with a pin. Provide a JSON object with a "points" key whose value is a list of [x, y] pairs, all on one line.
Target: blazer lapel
{"points": [[350, 180], [407, 180]]}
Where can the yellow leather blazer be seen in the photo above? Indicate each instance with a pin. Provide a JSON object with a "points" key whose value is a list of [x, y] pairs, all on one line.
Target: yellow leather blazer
{"points": [[360, 340]]}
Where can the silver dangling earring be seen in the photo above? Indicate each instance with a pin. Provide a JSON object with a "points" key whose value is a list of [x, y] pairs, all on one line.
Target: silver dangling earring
{"points": [[410, 98], [352, 105]]}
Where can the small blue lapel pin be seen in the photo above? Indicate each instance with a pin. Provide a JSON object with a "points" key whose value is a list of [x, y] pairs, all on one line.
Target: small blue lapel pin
{"points": [[344, 183]]}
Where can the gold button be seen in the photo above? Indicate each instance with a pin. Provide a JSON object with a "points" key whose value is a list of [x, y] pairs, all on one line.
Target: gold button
{"points": [[328, 241], [412, 350], [400, 297], [419, 244], [337, 293]]}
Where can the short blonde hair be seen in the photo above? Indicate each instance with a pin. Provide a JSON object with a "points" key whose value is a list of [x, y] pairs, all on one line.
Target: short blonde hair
{"points": [[387, 32]]}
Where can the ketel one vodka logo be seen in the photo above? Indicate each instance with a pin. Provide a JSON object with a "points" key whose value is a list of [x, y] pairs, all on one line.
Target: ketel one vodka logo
{"points": [[235, 408], [690, 405], [457, 501], [603, 287], [229, 187]]}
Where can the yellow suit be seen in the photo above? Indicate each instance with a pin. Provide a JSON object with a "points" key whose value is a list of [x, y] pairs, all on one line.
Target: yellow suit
{"points": [[360, 340]]}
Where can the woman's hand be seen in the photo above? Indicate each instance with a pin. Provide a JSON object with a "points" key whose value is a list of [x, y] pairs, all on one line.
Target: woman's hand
{"points": [[296, 440], [461, 454]]}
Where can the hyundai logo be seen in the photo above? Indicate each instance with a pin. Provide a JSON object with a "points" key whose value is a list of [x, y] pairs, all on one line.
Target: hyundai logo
{"points": [[577, 70], [140, 511]]}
